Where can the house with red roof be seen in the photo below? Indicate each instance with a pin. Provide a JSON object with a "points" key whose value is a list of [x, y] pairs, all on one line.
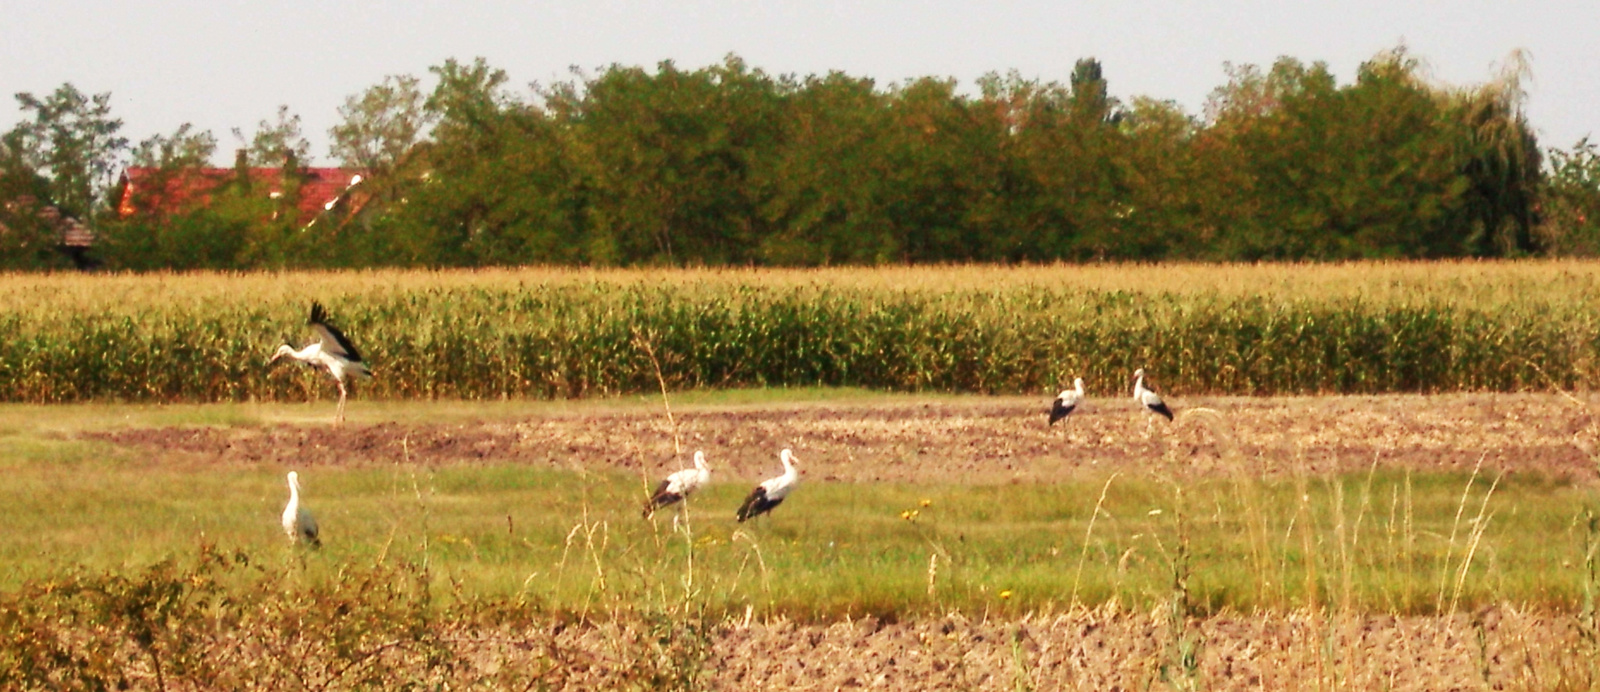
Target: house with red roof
{"points": [[156, 192]]}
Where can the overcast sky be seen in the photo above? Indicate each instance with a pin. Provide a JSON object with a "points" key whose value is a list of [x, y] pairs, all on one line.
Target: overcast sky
{"points": [[221, 64]]}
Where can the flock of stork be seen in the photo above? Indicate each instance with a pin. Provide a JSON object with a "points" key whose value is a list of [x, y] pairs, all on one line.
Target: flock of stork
{"points": [[331, 351]]}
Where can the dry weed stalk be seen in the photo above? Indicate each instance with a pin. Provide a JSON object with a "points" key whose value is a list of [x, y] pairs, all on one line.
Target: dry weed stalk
{"points": [[587, 529], [1088, 534], [1455, 527], [755, 548], [1480, 523], [646, 341]]}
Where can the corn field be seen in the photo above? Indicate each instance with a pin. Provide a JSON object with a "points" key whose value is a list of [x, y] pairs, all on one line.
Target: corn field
{"points": [[1255, 330]]}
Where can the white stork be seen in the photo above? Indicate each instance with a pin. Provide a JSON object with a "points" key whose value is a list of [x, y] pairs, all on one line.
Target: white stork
{"points": [[332, 351], [297, 520], [678, 485], [1147, 397], [1066, 401], [771, 491]]}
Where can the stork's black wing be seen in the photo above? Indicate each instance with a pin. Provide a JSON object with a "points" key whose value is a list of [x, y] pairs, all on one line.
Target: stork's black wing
{"points": [[756, 498], [1061, 410], [757, 504], [660, 498], [333, 340], [1160, 407]]}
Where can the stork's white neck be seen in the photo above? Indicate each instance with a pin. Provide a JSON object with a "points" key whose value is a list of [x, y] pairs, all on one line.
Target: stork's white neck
{"points": [[304, 355]]}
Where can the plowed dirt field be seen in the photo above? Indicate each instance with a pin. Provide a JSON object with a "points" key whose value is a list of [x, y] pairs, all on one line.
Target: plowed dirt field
{"points": [[960, 440]]}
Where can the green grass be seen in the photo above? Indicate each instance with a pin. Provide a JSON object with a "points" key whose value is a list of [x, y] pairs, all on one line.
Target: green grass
{"points": [[566, 541]]}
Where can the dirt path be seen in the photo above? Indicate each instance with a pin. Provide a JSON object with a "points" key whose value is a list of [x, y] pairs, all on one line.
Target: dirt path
{"points": [[960, 440]]}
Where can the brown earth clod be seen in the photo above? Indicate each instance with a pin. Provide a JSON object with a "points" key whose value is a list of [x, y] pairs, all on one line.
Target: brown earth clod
{"points": [[958, 440]]}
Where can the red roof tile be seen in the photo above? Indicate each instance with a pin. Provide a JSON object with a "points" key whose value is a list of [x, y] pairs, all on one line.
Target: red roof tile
{"points": [[148, 191]]}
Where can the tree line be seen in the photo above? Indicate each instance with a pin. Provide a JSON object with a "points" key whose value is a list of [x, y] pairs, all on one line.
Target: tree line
{"points": [[730, 165]]}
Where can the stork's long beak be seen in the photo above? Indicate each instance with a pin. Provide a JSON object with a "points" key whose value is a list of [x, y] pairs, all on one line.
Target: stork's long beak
{"points": [[280, 353]]}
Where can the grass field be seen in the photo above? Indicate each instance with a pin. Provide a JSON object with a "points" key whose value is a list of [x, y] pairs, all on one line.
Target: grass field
{"points": [[439, 557], [1179, 550], [570, 539], [557, 541]]}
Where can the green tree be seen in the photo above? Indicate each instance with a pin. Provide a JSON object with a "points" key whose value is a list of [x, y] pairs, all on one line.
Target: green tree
{"points": [[1064, 192], [671, 157], [939, 157], [821, 189], [28, 232], [276, 141], [379, 126], [184, 148], [1096, 171], [492, 186], [468, 101], [1503, 162], [1394, 188], [1262, 149], [1299, 167], [461, 192], [1159, 208], [1569, 201], [71, 139], [1091, 101], [1034, 204]]}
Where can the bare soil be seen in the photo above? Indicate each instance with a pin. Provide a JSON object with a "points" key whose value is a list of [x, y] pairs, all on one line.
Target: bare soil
{"points": [[1100, 649], [966, 440], [1090, 650]]}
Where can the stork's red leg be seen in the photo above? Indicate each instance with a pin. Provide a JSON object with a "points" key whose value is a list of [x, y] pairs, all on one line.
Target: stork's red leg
{"points": [[338, 416]]}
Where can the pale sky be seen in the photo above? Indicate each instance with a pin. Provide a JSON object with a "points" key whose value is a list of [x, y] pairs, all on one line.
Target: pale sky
{"points": [[221, 64]]}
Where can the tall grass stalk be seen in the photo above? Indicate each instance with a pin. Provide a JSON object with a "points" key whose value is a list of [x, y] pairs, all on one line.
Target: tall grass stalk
{"points": [[1455, 528], [1480, 524], [1088, 536]]}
